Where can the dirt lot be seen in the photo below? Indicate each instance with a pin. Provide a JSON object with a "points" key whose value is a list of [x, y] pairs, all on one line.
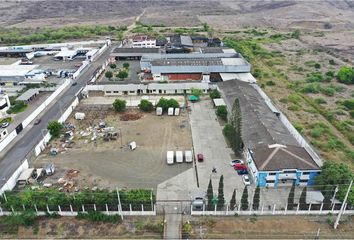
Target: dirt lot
{"points": [[107, 165], [280, 227], [69, 227]]}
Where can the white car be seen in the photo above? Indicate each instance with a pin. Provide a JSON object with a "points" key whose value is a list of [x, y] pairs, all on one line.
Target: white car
{"points": [[235, 161], [246, 180], [5, 125]]}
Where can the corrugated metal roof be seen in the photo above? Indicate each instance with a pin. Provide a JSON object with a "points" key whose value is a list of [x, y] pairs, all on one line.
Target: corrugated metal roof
{"points": [[28, 94]]}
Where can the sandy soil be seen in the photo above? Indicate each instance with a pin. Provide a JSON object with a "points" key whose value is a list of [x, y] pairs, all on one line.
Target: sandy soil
{"points": [[107, 165]]}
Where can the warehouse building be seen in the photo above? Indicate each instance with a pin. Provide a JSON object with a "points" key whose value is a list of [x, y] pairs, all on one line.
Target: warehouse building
{"points": [[143, 41], [273, 152], [193, 66], [15, 73], [121, 54]]}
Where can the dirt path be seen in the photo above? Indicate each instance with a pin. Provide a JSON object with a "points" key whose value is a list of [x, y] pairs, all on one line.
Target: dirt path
{"points": [[133, 25]]}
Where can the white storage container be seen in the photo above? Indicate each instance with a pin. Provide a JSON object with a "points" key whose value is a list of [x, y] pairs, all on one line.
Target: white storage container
{"points": [[188, 156], [179, 156], [170, 157], [170, 111], [176, 111], [159, 111]]}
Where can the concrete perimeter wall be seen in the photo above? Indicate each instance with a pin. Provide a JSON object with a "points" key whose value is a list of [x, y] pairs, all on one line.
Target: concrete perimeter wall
{"points": [[11, 182]]}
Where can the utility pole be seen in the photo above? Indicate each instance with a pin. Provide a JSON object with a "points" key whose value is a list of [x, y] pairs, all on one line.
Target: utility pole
{"points": [[343, 205]]}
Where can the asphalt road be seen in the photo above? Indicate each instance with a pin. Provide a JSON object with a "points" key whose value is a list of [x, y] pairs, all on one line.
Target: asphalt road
{"points": [[30, 136]]}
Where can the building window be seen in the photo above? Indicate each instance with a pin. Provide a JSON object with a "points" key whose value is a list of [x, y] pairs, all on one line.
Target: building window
{"points": [[272, 174], [304, 180], [131, 91], [115, 91], [270, 181], [289, 171], [108, 91], [306, 173]]}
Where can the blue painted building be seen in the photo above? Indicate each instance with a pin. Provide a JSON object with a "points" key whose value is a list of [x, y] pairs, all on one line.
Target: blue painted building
{"points": [[275, 152]]}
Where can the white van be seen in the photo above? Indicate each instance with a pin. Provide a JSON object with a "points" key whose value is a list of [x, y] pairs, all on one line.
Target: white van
{"points": [[188, 156], [170, 111], [170, 157], [179, 156]]}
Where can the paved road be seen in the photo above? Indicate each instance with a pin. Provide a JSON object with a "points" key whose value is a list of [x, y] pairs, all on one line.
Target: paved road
{"points": [[173, 221], [30, 136]]}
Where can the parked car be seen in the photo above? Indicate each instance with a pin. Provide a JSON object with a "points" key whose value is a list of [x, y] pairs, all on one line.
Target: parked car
{"points": [[233, 162], [246, 180], [37, 121], [242, 172], [238, 166], [200, 157], [74, 84], [5, 125]]}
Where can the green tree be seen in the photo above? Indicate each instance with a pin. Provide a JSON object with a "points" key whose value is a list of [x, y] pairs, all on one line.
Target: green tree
{"points": [[210, 196], [54, 128], [173, 103], [244, 199], [302, 201], [291, 197], [126, 65], [119, 105], [196, 92], [256, 198], [108, 75], [346, 75], [236, 123], [112, 65], [122, 74], [215, 94], [233, 201], [221, 111], [333, 174], [120, 36], [205, 27], [163, 103], [221, 199], [145, 106]]}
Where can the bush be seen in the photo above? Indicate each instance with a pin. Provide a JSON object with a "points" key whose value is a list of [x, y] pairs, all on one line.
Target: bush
{"points": [[196, 92], [320, 100], [119, 105], [317, 65], [349, 104], [332, 62], [167, 103], [16, 107], [145, 106], [328, 91], [100, 217], [270, 83], [311, 88], [54, 128], [351, 113], [126, 65], [172, 103], [122, 74], [215, 94], [346, 75], [294, 107], [221, 111], [299, 127], [108, 74], [112, 65]]}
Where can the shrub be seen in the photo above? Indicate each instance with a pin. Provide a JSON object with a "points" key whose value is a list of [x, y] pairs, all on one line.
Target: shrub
{"points": [[100, 217], [167, 103], [294, 98], [215, 94], [54, 128], [328, 91], [108, 74], [317, 65], [314, 77], [145, 106], [119, 105], [16, 107], [346, 75], [296, 34], [173, 103], [294, 107], [299, 127], [196, 92], [349, 104], [351, 113], [311, 88], [221, 111], [331, 62], [126, 65], [122, 74], [112, 65], [320, 100], [270, 83]]}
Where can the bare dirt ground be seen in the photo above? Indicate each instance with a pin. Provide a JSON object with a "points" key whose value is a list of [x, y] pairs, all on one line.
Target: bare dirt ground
{"points": [[70, 227], [107, 165], [265, 227]]}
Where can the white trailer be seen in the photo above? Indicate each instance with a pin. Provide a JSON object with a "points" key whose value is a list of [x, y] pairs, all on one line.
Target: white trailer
{"points": [[170, 157], [176, 111], [159, 111], [188, 156], [170, 111], [179, 156]]}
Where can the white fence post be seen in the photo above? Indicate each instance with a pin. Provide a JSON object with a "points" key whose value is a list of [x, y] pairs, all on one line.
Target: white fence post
{"points": [[227, 209], [286, 208], [321, 207], [333, 207], [83, 208], [1, 213], [262, 209], [12, 209], [203, 208], [35, 208], [273, 209], [106, 208], [251, 209], [215, 209], [59, 208], [297, 208], [239, 209], [308, 212], [94, 207], [345, 206], [48, 209], [142, 207], [71, 209], [130, 208]]}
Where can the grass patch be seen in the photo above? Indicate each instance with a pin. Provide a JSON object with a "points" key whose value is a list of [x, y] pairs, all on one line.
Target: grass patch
{"points": [[99, 217]]}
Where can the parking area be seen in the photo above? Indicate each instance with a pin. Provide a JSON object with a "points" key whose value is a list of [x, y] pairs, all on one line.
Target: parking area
{"points": [[209, 140], [111, 164]]}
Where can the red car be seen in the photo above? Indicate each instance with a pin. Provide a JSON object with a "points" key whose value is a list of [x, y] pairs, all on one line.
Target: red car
{"points": [[200, 157], [239, 167]]}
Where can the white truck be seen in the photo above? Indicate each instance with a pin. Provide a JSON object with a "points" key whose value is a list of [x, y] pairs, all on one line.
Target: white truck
{"points": [[179, 156], [188, 156], [170, 157], [79, 116]]}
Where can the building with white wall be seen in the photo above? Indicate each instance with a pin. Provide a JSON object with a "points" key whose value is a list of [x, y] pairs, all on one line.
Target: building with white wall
{"points": [[4, 104], [143, 41]]}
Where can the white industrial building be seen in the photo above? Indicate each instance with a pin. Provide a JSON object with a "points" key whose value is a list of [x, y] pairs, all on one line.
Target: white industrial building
{"points": [[15, 73], [143, 42]]}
